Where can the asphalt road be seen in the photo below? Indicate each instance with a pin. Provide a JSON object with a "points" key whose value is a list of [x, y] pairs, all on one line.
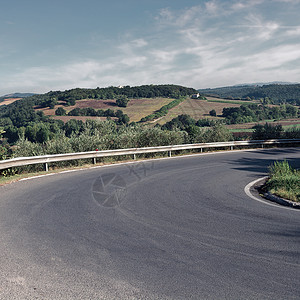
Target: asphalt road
{"points": [[180, 228]]}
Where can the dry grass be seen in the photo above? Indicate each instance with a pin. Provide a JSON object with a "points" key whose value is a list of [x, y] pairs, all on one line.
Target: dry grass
{"points": [[140, 108], [197, 109], [9, 101]]}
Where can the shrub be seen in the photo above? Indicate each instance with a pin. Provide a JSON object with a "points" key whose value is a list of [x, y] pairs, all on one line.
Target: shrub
{"points": [[284, 180], [267, 131], [213, 113], [60, 112], [122, 101], [217, 133]]}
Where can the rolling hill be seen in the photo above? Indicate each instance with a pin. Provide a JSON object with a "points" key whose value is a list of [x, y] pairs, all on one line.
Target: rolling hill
{"points": [[276, 93]]}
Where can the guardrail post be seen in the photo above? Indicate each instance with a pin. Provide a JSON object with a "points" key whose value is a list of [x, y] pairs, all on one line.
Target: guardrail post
{"points": [[201, 150], [231, 147], [134, 156], [46, 167], [170, 153], [94, 160]]}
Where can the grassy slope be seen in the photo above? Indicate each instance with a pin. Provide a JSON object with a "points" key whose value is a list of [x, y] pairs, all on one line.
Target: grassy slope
{"points": [[196, 108], [8, 101], [199, 109]]}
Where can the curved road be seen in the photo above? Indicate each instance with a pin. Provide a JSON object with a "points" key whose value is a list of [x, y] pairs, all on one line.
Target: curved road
{"points": [[180, 228]]}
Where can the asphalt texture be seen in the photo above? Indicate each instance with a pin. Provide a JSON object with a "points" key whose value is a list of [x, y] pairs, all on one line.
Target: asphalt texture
{"points": [[180, 228]]}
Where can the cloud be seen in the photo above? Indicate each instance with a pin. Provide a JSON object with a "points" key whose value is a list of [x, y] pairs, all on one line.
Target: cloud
{"points": [[180, 18], [201, 46], [293, 31], [264, 29], [242, 5], [276, 57], [211, 7]]}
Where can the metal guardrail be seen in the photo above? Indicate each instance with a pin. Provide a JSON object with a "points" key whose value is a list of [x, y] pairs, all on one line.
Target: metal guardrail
{"points": [[46, 159]]}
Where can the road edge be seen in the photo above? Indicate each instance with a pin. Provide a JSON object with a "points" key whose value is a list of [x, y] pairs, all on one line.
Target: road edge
{"points": [[251, 190]]}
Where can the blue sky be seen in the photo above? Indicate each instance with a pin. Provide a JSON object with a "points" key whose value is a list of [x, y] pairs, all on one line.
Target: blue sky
{"points": [[62, 44]]}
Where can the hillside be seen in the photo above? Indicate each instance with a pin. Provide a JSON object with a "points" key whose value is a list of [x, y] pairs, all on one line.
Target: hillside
{"points": [[136, 110], [17, 95], [31, 109], [10, 98], [148, 104], [60, 122], [275, 93]]}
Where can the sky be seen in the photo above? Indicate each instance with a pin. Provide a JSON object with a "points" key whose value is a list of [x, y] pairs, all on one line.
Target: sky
{"points": [[63, 44]]}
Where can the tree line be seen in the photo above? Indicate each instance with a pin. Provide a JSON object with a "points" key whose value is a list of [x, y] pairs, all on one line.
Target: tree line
{"points": [[69, 97], [91, 112], [254, 113]]}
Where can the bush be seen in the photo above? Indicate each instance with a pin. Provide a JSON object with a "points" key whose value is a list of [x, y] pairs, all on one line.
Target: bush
{"points": [[217, 133], [264, 132], [213, 113], [122, 101], [292, 133]]}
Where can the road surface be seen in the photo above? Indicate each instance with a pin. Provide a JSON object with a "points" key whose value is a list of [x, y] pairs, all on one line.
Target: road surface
{"points": [[179, 228]]}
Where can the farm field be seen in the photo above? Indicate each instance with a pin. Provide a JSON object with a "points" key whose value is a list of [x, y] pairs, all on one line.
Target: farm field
{"points": [[139, 108], [136, 109], [199, 109]]}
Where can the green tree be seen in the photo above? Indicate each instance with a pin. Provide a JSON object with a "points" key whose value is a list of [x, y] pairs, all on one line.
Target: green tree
{"points": [[264, 132], [213, 113], [2, 131], [42, 136], [122, 101], [217, 133], [11, 134], [73, 127], [60, 112], [123, 119]]}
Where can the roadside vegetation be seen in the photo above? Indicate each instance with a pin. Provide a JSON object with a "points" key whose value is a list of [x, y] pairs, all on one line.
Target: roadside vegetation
{"points": [[284, 181]]}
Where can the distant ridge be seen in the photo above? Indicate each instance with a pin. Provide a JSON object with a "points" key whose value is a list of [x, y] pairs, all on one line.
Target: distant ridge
{"points": [[265, 83], [18, 95]]}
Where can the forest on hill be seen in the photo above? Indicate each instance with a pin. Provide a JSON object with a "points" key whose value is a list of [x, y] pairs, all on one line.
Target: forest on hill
{"points": [[271, 93], [22, 119]]}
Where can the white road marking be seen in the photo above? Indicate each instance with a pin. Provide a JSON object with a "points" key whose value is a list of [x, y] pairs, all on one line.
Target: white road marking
{"points": [[248, 193]]}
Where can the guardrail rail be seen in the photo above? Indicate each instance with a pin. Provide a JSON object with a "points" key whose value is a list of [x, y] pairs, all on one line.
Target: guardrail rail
{"points": [[46, 159]]}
